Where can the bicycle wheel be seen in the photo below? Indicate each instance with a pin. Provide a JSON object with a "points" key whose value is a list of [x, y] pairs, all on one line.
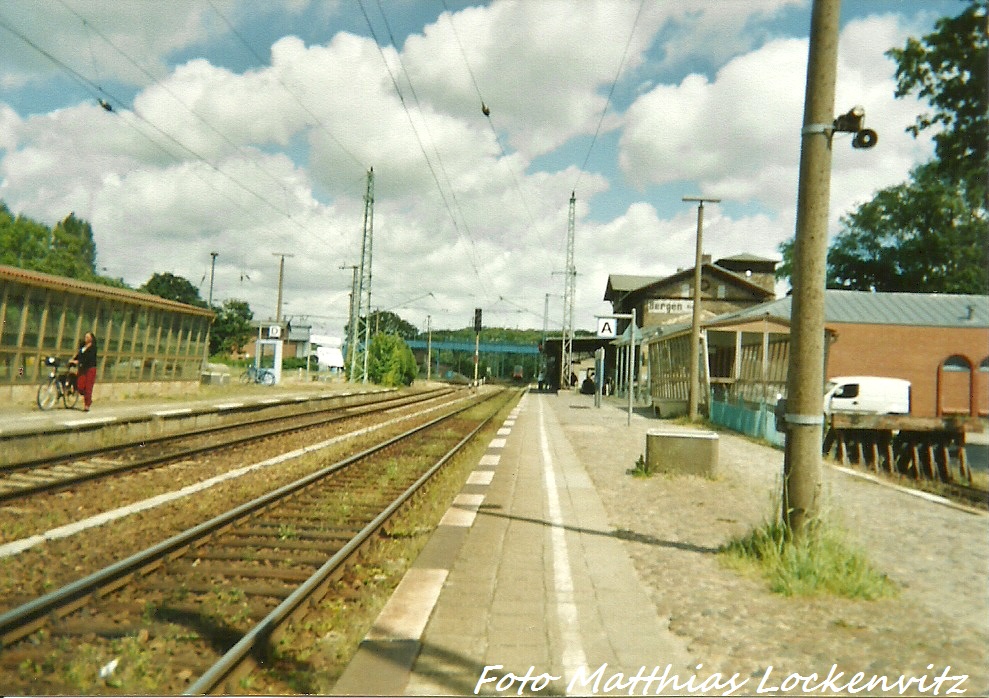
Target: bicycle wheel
{"points": [[268, 378], [246, 377], [70, 396], [47, 394]]}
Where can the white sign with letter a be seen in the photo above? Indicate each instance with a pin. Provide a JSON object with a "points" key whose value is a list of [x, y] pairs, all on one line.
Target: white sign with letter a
{"points": [[607, 327]]}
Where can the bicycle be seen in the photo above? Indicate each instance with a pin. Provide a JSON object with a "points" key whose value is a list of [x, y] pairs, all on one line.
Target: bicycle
{"points": [[254, 374], [58, 386]]}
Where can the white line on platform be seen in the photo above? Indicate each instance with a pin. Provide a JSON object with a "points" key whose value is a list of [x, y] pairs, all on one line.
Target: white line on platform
{"points": [[406, 613], [472, 501], [497, 443], [169, 413], [458, 518], [574, 659], [463, 511], [270, 401], [230, 405], [85, 422], [480, 477], [504, 431], [490, 459]]}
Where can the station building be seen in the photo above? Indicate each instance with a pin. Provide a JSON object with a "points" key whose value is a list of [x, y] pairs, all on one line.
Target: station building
{"points": [[727, 285], [141, 338], [939, 342]]}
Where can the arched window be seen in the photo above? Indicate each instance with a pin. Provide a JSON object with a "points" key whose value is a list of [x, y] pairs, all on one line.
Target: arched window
{"points": [[958, 364], [981, 381], [955, 386]]}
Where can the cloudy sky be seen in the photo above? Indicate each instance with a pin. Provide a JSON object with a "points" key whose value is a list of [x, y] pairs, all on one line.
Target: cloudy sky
{"points": [[247, 128]]}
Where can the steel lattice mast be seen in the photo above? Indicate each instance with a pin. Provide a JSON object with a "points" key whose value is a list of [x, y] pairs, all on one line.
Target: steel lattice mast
{"points": [[569, 293], [364, 282]]}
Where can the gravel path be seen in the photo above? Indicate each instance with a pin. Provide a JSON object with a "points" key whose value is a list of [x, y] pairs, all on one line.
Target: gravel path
{"points": [[674, 525]]}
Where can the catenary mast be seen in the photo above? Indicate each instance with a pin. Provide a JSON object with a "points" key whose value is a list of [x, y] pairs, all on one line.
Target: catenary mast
{"points": [[569, 292], [364, 282]]}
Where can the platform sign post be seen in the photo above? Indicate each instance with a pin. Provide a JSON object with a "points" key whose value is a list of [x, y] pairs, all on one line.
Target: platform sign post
{"points": [[607, 328]]}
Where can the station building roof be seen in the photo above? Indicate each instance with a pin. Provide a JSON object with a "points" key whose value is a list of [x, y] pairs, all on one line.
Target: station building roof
{"points": [[86, 288], [867, 308]]}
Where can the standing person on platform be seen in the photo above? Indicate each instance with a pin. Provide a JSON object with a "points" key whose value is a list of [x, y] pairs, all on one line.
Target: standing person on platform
{"points": [[85, 358]]}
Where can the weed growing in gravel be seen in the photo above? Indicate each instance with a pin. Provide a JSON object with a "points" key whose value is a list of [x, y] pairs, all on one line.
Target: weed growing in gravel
{"points": [[821, 562], [641, 469]]}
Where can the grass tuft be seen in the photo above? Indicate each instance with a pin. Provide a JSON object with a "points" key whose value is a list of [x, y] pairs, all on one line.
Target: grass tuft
{"points": [[822, 561]]}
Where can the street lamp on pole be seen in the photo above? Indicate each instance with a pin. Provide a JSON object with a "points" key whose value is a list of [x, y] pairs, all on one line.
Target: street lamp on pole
{"points": [[695, 325]]}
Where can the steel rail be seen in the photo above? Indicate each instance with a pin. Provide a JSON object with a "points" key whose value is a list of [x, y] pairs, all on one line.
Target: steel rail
{"points": [[25, 619], [110, 470], [253, 645]]}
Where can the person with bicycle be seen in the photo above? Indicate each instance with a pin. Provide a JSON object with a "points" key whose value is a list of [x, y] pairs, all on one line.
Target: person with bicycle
{"points": [[85, 360]]}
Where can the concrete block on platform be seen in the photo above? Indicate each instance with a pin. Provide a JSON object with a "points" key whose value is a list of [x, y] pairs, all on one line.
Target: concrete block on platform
{"points": [[682, 452]]}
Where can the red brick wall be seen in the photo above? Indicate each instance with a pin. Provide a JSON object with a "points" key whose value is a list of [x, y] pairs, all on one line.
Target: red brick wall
{"points": [[914, 353]]}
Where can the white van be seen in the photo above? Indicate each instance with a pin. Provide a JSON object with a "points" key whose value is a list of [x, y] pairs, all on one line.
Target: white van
{"points": [[867, 395]]}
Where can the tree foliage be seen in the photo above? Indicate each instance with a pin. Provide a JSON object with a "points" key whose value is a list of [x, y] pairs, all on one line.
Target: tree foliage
{"points": [[948, 68], [232, 328], [174, 288], [921, 235], [67, 249], [386, 322], [928, 234], [390, 361]]}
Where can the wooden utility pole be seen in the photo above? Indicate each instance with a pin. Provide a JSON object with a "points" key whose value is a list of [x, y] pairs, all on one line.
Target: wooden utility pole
{"points": [[805, 377], [695, 325], [209, 304], [281, 276]]}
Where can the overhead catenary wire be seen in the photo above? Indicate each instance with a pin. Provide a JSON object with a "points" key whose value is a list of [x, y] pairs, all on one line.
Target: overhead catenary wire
{"points": [[315, 117], [96, 90], [611, 92], [177, 98], [486, 111], [465, 232]]}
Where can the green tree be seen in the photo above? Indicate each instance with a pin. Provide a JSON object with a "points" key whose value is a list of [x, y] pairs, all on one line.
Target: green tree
{"points": [[23, 242], [174, 288], [928, 234], [390, 361], [948, 68], [72, 250], [386, 322], [921, 235], [67, 249], [232, 327]]}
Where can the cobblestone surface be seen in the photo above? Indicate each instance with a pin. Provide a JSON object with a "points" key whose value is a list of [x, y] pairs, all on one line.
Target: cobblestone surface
{"points": [[674, 525]]}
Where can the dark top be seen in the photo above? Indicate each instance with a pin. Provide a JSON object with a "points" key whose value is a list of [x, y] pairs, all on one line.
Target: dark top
{"points": [[86, 356]]}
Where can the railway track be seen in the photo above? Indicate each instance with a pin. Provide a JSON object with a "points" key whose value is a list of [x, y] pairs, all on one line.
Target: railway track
{"points": [[54, 473], [209, 605]]}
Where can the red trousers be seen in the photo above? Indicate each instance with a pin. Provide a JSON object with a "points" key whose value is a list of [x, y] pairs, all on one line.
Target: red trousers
{"points": [[84, 384]]}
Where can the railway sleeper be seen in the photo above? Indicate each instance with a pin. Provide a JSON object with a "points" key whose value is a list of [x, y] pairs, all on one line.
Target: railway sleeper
{"points": [[296, 531], [315, 559], [260, 571], [277, 543], [210, 587]]}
